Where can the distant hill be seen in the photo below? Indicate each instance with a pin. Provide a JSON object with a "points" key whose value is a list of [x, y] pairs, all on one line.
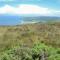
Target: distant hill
{"points": [[15, 20], [41, 18]]}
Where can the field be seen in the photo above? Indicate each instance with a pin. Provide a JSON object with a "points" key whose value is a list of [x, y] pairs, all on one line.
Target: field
{"points": [[25, 42]]}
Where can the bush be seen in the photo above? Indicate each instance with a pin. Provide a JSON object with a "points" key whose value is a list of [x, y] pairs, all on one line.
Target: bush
{"points": [[26, 53]]}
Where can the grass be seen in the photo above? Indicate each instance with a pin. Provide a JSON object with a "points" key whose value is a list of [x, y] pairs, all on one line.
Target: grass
{"points": [[13, 38], [26, 53]]}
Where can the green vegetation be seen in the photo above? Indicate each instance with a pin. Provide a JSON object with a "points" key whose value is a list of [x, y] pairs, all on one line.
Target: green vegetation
{"points": [[26, 53], [29, 41]]}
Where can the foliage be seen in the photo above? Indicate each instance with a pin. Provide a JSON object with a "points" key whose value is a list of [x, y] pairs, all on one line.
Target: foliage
{"points": [[26, 53], [51, 52], [25, 41]]}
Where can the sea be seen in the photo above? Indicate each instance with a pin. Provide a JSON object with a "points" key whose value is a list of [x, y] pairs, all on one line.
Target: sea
{"points": [[17, 19], [10, 20]]}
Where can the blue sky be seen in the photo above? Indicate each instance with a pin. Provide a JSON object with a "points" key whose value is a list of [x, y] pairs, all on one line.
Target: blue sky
{"points": [[51, 6], [55, 4]]}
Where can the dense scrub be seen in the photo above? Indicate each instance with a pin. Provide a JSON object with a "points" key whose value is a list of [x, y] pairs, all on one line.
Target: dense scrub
{"points": [[39, 51], [26, 37]]}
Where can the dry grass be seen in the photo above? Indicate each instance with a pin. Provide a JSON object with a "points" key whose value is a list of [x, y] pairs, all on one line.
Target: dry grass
{"points": [[28, 34]]}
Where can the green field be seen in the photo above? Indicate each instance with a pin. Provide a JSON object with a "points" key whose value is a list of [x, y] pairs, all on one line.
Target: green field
{"points": [[25, 42]]}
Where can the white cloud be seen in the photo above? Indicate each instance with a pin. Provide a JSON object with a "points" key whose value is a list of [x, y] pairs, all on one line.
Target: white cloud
{"points": [[27, 9], [7, 9], [31, 9]]}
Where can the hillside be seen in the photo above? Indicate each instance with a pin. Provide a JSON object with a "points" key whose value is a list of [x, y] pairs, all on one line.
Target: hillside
{"points": [[29, 34]]}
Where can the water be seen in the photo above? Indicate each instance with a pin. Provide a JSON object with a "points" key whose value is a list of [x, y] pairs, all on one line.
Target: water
{"points": [[15, 19], [9, 20]]}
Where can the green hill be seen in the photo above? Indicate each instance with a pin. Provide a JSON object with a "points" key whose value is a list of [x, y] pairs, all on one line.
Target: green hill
{"points": [[14, 37]]}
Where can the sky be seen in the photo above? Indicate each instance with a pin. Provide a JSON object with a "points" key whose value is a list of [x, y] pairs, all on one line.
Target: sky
{"points": [[23, 7]]}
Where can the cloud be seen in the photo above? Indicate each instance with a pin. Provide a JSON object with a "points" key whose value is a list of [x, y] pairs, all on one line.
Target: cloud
{"points": [[31, 9], [27, 9], [7, 9]]}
